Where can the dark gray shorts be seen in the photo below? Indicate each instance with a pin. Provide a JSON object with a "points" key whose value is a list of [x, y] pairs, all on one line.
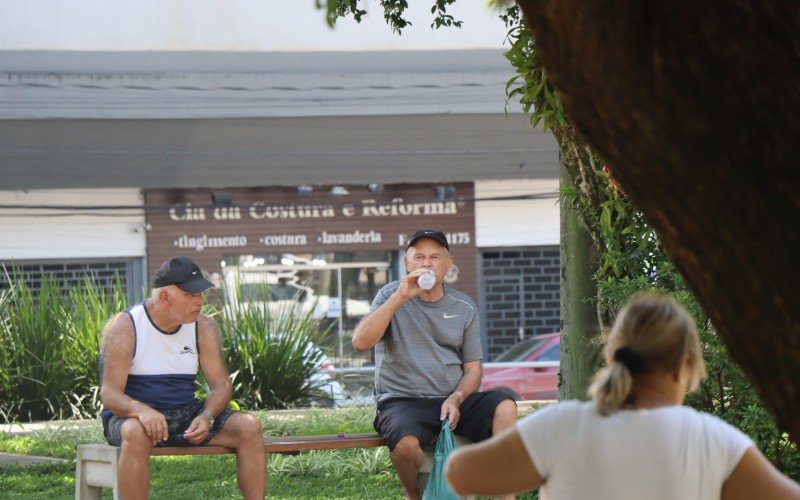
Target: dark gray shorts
{"points": [[399, 417], [177, 422]]}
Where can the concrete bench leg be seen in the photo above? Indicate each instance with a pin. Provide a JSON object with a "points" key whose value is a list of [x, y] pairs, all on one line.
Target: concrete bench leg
{"points": [[95, 469]]}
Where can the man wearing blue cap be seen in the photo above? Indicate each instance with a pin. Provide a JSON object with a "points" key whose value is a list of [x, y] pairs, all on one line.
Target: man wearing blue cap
{"points": [[150, 356], [428, 360]]}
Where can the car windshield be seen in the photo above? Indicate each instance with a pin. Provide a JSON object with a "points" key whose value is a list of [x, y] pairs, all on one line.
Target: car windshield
{"points": [[521, 350]]}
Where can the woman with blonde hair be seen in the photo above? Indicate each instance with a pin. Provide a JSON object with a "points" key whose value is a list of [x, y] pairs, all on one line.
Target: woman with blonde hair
{"points": [[635, 439]]}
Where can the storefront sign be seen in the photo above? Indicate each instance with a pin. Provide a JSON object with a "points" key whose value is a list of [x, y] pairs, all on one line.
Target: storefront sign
{"points": [[280, 219]]}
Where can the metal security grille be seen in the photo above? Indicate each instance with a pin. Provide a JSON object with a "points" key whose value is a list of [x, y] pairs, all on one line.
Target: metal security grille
{"points": [[521, 293], [71, 272]]}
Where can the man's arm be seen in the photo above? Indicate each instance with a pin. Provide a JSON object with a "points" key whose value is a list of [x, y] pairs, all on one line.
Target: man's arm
{"points": [[469, 383], [371, 328], [216, 375], [117, 356]]}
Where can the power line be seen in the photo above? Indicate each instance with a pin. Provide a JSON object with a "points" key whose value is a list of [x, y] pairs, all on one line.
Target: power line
{"points": [[242, 88], [94, 210]]}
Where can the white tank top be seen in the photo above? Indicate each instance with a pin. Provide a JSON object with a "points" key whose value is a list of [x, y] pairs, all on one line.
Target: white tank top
{"points": [[164, 367]]}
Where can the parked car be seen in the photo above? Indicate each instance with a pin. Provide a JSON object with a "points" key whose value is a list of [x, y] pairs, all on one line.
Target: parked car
{"points": [[338, 390], [330, 391], [527, 383]]}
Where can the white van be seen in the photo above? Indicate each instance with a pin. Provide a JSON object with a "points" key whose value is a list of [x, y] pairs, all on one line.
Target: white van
{"points": [[282, 288]]}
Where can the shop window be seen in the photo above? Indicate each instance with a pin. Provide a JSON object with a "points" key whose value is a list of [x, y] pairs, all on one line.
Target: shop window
{"points": [[339, 286]]}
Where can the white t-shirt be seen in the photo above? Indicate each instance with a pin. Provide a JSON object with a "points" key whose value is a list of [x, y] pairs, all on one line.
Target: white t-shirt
{"points": [[661, 453]]}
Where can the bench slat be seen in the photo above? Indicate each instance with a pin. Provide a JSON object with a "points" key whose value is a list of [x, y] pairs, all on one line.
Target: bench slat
{"points": [[331, 442], [190, 450], [279, 444]]}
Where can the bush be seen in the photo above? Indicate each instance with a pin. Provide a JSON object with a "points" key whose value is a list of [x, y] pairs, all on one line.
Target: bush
{"points": [[49, 341], [728, 394], [50, 338], [273, 352], [634, 261]]}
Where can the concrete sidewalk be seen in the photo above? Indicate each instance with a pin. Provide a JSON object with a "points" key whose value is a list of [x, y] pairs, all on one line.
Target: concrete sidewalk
{"points": [[25, 428], [9, 459]]}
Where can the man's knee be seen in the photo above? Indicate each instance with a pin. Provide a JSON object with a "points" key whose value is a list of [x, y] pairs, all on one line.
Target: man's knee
{"points": [[251, 424], [134, 437], [506, 412], [407, 448], [243, 425]]}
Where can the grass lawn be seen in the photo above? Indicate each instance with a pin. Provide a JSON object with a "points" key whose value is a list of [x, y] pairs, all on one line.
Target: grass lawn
{"points": [[211, 477], [357, 473]]}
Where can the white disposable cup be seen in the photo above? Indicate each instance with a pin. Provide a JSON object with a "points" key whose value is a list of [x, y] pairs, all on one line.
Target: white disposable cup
{"points": [[427, 281]]}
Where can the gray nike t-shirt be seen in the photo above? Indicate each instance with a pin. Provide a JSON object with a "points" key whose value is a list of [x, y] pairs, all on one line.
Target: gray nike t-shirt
{"points": [[422, 352]]}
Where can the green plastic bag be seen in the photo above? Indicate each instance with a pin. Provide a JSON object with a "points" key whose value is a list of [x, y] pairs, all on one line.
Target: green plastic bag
{"points": [[437, 488]]}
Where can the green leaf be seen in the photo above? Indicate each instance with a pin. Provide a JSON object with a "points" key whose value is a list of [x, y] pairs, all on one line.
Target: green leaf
{"points": [[605, 220]]}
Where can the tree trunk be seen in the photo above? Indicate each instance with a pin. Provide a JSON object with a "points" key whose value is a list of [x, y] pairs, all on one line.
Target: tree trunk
{"points": [[579, 326], [696, 111]]}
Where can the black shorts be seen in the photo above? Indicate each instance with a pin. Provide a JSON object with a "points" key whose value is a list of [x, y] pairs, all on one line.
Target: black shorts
{"points": [[396, 418], [177, 422]]}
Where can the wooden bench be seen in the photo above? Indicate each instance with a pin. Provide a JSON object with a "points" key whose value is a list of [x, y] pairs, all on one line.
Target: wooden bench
{"points": [[96, 464]]}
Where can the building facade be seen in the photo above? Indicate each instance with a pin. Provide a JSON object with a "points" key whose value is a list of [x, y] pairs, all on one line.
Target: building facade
{"points": [[269, 147]]}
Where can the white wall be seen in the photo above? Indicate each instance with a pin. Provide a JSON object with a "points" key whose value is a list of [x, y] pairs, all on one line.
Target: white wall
{"points": [[498, 223], [516, 223], [80, 236], [231, 25]]}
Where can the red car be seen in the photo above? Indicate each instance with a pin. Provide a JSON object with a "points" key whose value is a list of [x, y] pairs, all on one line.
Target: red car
{"points": [[527, 383]]}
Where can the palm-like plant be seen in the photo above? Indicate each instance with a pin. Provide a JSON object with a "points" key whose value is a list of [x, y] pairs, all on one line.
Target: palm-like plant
{"points": [[49, 342], [272, 349]]}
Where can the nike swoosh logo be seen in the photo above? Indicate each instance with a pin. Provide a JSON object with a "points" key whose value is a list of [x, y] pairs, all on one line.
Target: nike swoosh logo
{"points": [[445, 316], [194, 272]]}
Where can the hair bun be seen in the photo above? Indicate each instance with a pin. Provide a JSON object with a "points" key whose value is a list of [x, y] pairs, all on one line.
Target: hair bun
{"points": [[631, 359]]}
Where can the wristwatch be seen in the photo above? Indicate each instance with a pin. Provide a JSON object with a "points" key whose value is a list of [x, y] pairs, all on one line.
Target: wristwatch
{"points": [[210, 417]]}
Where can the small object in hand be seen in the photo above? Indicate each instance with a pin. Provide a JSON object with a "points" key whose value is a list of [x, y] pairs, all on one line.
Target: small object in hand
{"points": [[427, 280]]}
